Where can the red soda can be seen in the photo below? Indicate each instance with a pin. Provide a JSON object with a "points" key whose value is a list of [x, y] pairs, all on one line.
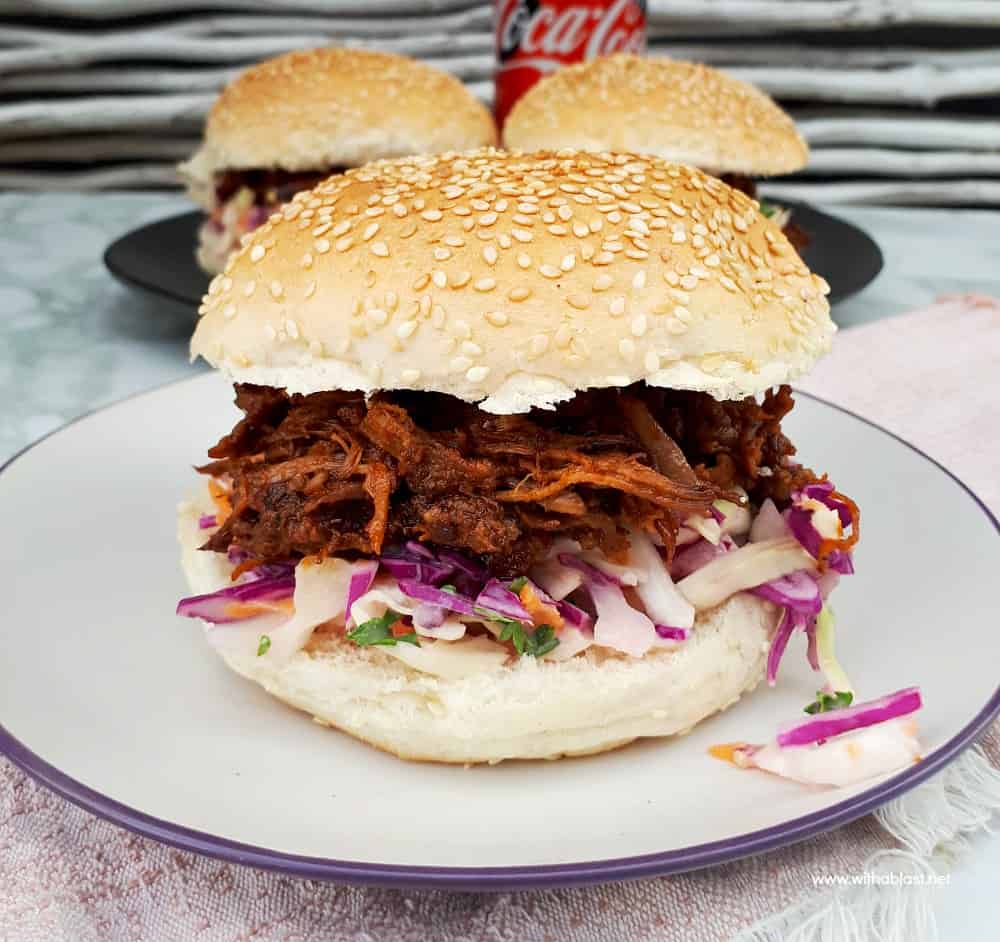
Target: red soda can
{"points": [[534, 37]]}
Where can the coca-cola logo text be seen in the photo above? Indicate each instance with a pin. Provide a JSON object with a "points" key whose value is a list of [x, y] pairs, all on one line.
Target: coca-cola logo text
{"points": [[571, 32]]}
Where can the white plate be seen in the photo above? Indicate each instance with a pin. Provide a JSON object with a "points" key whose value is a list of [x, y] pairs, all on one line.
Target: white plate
{"points": [[120, 706]]}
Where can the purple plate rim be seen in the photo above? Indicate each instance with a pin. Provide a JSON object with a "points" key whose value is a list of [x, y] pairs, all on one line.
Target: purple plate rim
{"points": [[538, 876]]}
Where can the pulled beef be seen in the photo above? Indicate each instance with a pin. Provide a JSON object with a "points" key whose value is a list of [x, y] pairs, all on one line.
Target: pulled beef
{"points": [[739, 181], [331, 473], [270, 186]]}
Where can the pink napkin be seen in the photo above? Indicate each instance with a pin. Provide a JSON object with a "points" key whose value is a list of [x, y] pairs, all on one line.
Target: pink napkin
{"points": [[930, 376]]}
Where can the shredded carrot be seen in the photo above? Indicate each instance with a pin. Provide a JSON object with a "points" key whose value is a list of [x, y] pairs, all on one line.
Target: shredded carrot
{"points": [[541, 614], [221, 499], [726, 751], [252, 609], [244, 566], [400, 628], [826, 547]]}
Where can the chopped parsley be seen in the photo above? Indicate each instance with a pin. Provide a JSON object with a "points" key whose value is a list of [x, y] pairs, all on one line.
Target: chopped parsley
{"points": [[519, 583], [263, 646], [448, 587], [379, 631], [536, 643], [825, 702], [767, 209]]}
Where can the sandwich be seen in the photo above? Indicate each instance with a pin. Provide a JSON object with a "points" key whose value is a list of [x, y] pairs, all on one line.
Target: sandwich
{"points": [[286, 123], [680, 111], [510, 479]]}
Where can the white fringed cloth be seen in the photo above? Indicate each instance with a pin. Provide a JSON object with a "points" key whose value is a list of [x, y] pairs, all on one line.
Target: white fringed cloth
{"points": [[66, 876]]}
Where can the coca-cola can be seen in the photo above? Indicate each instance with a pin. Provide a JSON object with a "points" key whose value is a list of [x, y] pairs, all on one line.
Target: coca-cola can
{"points": [[534, 37]]}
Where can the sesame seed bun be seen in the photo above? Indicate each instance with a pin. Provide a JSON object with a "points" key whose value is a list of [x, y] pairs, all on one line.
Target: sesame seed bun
{"points": [[515, 280], [336, 107], [528, 709], [680, 111]]}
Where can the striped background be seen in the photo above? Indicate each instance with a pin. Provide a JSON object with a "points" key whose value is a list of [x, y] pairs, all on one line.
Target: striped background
{"points": [[899, 99]]}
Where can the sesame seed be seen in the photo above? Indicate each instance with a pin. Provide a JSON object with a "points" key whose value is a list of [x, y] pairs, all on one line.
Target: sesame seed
{"points": [[229, 311], [580, 301], [455, 241], [439, 278], [461, 279], [462, 211], [580, 230], [459, 365], [405, 330], [639, 280], [370, 278], [617, 307], [626, 348], [713, 260], [679, 235], [391, 300], [538, 345], [462, 329], [689, 282], [431, 215], [477, 374], [602, 282], [603, 258], [341, 245], [438, 316], [519, 293], [270, 332], [453, 192], [248, 288], [292, 329], [276, 289], [442, 254], [639, 325], [596, 224], [498, 318], [377, 316], [485, 284], [490, 255], [504, 240], [421, 282], [370, 231], [487, 219], [257, 253], [408, 229], [523, 261], [565, 213], [410, 375], [563, 335], [522, 235], [568, 262], [558, 230], [675, 326], [471, 349], [480, 205], [399, 210], [682, 314], [651, 361], [548, 271]]}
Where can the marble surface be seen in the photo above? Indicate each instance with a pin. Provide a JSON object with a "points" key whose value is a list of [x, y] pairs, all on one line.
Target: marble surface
{"points": [[72, 339]]}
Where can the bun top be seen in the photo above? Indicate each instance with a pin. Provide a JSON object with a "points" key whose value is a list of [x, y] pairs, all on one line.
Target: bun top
{"points": [[337, 107], [514, 280], [680, 111]]}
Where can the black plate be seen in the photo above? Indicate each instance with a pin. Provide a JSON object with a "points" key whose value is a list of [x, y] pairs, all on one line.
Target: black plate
{"points": [[160, 257]]}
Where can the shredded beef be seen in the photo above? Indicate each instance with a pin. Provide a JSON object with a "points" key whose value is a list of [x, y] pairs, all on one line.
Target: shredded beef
{"points": [[270, 186], [331, 473]]}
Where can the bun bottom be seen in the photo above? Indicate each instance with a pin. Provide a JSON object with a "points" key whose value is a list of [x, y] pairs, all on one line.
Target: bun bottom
{"points": [[531, 709]]}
